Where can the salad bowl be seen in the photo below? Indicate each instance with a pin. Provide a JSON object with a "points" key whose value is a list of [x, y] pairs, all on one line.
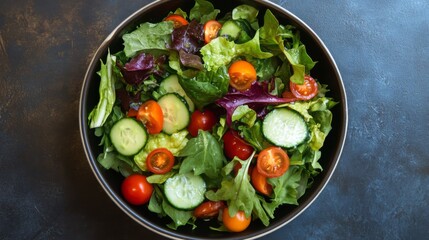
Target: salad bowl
{"points": [[326, 70]]}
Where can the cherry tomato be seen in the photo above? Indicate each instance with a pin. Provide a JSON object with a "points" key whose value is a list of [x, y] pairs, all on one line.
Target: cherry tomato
{"points": [[150, 114], [234, 145], [272, 162], [241, 74], [211, 28], [236, 223], [177, 20], [289, 95], [201, 120], [136, 189], [305, 91], [160, 161], [260, 183], [208, 209], [132, 112]]}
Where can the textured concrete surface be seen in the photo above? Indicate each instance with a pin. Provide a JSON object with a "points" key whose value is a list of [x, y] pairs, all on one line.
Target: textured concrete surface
{"points": [[380, 189]]}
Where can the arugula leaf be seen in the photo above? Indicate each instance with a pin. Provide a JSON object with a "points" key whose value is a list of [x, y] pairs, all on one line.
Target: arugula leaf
{"points": [[203, 11], [139, 39], [203, 155], [254, 136], [238, 191], [179, 217], [206, 86], [106, 90]]}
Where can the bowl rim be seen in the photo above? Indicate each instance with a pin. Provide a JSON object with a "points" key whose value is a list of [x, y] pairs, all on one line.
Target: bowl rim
{"points": [[93, 162]]}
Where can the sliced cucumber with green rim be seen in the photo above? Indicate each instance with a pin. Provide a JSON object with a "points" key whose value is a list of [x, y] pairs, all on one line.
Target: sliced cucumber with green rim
{"points": [[171, 85], [185, 191], [176, 113], [285, 128], [128, 136], [230, 29]]}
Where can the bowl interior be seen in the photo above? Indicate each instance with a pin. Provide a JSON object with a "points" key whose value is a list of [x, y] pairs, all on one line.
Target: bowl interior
{"points": [[325, 70]]}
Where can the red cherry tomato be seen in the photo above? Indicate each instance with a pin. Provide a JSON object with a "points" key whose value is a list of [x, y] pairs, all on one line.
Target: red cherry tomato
{"points": [[136, 189], [272, 162], [208, 209], [177, 20], [201, 120], [236, 223], [260, 183], [234, 145], [150, 114], [160, 161], [305, 91], [211, 28]]}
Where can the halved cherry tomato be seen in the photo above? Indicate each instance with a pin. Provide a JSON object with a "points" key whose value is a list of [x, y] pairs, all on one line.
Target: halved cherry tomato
{"points": [[160, 161], [150, 114], [177, 20], [236, 223], [136, 189], [201, 120], [208, 209], [305, 91], [272, 162], [234, 145], [211, 28], [241, 74], [260, 183]]}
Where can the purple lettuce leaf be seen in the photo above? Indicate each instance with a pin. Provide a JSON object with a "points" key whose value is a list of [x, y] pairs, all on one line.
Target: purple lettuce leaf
{"points": [[257, 98], [189, 38], [141, 67], [190, 60]]}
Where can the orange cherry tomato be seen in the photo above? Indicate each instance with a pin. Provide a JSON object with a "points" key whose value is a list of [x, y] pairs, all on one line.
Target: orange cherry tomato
{"points": [[208, 209], [236, 223], [304, 91], [160, 161], [211, 29], [177, 20], [260, 183], [132, 112], [150, 114], [272, 162], [241, 74], [136, 189]]}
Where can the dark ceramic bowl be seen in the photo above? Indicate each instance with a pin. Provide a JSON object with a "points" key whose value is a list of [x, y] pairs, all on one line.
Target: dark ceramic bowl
{"points": [[325, 70]]}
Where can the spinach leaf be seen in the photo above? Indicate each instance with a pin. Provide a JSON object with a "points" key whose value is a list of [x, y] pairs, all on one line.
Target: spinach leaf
{"points": [[203, 155], [139, 39]]}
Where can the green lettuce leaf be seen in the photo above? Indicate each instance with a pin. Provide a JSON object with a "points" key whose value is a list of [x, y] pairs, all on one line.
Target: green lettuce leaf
{"points": [[203, 11], [139, 39], [206, 86], [203, 155], [246, 12], [174, 143], [254, 136], [106, 90], [244, 115]]}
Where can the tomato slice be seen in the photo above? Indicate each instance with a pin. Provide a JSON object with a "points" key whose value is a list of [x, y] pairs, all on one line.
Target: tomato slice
{"points": [[260, 183], [241, 74], [208, 209], [304, 91], [272, 162], [236, 223], [177, 20], [160, 161], [150, 114], [211, 28]]}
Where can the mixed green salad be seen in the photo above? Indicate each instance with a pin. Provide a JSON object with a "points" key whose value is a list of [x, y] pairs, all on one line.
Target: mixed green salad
{"points": [[212, 115]]}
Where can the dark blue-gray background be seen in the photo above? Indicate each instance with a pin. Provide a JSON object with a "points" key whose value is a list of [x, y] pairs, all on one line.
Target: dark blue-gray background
{"points": [[380, 189]]}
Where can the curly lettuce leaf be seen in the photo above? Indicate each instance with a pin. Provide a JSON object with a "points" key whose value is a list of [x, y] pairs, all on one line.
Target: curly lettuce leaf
{"points": [[139, 39], [203, 11], [246, 12], [106, 90], [174, 143]]}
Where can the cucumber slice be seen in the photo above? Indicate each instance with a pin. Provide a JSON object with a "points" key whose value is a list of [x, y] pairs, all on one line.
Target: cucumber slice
{"points": [[285, 128], [230, 30], [128, 136], [185, 191], [171, 85], [175, 111]]}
